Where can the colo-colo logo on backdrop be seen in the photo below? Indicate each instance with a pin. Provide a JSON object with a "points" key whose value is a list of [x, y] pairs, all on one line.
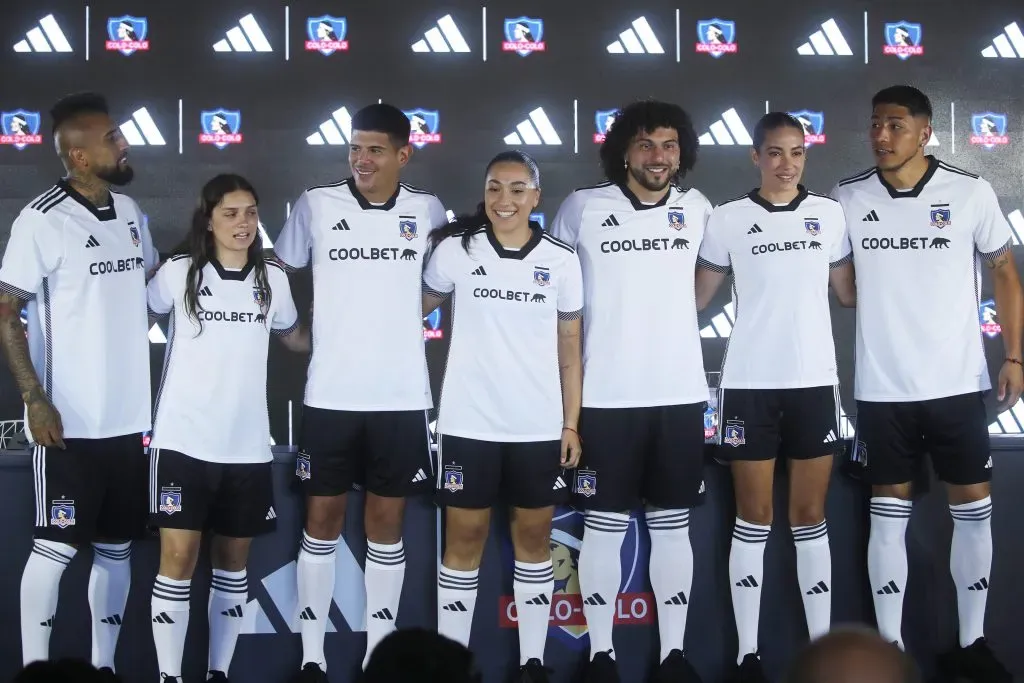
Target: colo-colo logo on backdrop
{"points": [[20, 128], [813, 123], [127, 34], [716, 37], [221, 127], [326, 34], [603, 120], [524, 36], [903, 39], [989, 130], [424, 125], [633, 605]]}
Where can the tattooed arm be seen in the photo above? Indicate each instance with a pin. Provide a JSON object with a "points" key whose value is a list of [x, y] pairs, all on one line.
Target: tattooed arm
{"points": [[43, 419], [1010, 307]]}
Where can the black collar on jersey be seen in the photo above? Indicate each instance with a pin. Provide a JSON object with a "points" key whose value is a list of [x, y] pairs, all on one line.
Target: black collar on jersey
{"points": [[365, 203], [521, 253], [801, 195], [639, 205], [232, 274], [102, 213], [933, 165]]}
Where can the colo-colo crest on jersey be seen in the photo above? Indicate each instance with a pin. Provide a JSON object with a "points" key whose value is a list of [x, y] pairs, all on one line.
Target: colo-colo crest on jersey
{"points": [[326, 34], [127, 34], [20, 128]]}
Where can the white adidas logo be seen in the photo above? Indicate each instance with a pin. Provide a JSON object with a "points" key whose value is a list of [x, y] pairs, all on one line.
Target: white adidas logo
{"points": [[559, 484], [827, 42], [638, 40], [445, 37], [271, 514], [720, 130], [721, 324], [236, 40], [1003, 45], [336, 130], [140, 130], [419, 476], [1009, 421], [36, 41], [536, 130], [830, 437], [1016, 219]]}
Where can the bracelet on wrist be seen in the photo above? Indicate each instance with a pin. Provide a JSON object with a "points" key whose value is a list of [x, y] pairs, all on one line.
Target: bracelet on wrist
{"points": [[570, 429], [1013, 360]]}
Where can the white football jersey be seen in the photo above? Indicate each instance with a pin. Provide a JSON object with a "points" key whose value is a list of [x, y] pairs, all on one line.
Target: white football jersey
{"points": [[83, 269], [368, 351], [780, 256], [641, 343], [212, 402], [501, 382], [917, 254]]}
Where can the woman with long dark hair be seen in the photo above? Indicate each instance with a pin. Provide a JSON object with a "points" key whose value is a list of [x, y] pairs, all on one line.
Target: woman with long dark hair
{"points": [[510, 401], [210, 453]]}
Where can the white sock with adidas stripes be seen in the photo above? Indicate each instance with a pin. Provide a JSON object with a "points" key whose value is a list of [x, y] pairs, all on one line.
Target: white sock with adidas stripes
{"points": [[600, 572], [110, 579], [814, 575], [887, 563], [746, 573], [169, 609], [970, 562], [671, 572], [229, 592], [533, 583], [385, 573], [40, 584], [456, 601], [315, 572]]}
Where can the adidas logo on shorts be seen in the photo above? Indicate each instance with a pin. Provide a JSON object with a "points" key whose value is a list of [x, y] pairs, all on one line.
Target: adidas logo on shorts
{"points": [[271, 514], [830, 437], [419, 476], [559, 484]]}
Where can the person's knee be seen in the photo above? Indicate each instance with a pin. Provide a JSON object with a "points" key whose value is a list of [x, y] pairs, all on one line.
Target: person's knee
{"points": [[532, 533], [465, 535], [806, 512], [178, 557], [325, 516], [383, 519], [229, 554]]}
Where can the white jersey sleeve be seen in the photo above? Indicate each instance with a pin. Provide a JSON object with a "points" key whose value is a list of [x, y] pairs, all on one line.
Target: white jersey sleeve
{"points": [[842, 249], [714, 251], [296, 238], [286, 317], [566, 225], [160, 292], [438, 215], [35, 250], [992, 231], [150, 255], [570, 290], [436, 276]]}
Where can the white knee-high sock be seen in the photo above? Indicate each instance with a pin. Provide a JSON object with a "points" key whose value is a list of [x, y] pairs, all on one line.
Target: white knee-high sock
{"points": [[532, 586], [970, 563], [385, 574], [229, 592], [40, 583], [671, 572], [746, 573], [814, 574], [169, 609], [109, 583], [456, 601], [316, 590], [887, 563], [600, 574]]}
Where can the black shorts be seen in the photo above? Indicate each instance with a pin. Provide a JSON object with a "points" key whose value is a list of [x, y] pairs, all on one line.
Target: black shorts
{"points": [[761, 424], [93, 489], [230, 499], [633, 456], [386, 452], [479, 474], [891, 439]]}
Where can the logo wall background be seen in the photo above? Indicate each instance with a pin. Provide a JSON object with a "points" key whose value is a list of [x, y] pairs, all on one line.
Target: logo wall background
{"points": [[286, 70]]}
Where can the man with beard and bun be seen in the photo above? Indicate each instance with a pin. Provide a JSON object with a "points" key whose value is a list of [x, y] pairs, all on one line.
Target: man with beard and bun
{"points": [[78, 256], [367, 392], [644, 387], [920, 229]]}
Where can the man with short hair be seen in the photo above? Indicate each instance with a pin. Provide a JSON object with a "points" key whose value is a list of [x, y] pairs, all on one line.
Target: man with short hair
{"points": [[364, 415], [920, 228], [78, 257]]}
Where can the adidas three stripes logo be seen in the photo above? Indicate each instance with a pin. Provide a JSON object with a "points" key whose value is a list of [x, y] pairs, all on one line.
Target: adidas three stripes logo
{"points": [[479, 271], [341, 225], [754, 230], [610, 221], [307, 615], [818, 588], [871, 217], [749, 582], [677, 599], [888, 589], [91, 242], [235, 611]]}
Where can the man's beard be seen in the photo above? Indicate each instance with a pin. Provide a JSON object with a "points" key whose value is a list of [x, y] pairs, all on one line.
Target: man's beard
{"points": [[117, 176], [640, 176]]}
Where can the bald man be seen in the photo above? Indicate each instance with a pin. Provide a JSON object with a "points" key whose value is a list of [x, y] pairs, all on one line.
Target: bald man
{"points": [[852, 655], [77, 259]]}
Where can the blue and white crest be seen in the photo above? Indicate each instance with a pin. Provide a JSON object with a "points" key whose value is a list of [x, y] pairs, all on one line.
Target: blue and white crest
{"points": [[127, 34], [302, 466], [423, 124], [170, 499], [407, 229], [542, 277], [20, 128], [903, 39], [259, 296], [603, 121], [62, 513], [586, 483], [989, 319], [734, 434], [538, 218], [453, 479], [432, 325], [940, 217], [813, 123], [716, 36], [710, 422], [134, 232], [220, 127], [676, 219], [812, 227], [326, 34], [989, 129], [524, 35]]}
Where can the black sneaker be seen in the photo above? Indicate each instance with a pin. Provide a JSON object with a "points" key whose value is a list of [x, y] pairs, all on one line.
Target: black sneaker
{"points": [[750, 671], [217, 677], [531, 672], [310, 673], [107, 674], [601, 669], [675, 669], [976, 663]]}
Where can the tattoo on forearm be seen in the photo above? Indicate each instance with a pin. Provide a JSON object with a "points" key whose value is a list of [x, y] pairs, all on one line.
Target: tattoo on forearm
{"points": [[15, 346], [998, 261]]}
